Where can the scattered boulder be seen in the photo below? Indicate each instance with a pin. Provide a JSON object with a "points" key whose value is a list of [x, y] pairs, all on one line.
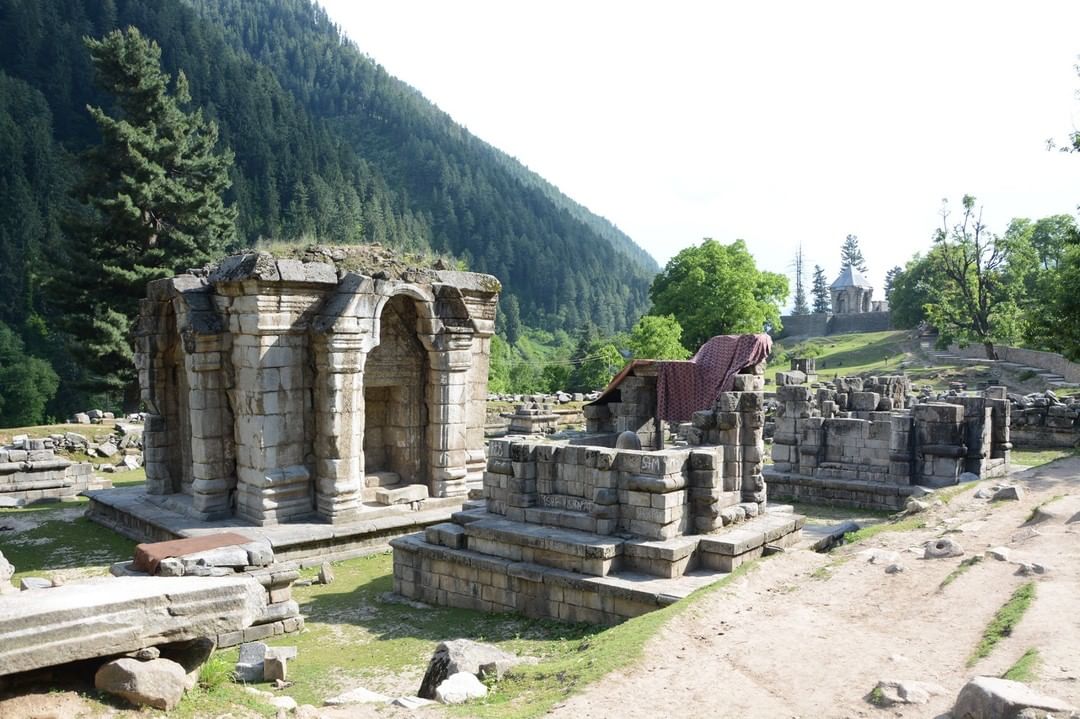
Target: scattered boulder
{"points": [[249, 667], [275, 661], [7, 570], [326, 573], [942, 548], [984, 493], [464, 655], [904, 691], [894, 568], [1010, 492], [107, 450], [999, 553], [130, 462], [358, 696], [1029, 568], [993, 698], [82, 418], [158, 683], [914, 506], [459, 688]]}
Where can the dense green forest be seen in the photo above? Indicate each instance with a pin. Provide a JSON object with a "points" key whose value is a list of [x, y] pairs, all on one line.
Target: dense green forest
{"points": [[328, 148]]}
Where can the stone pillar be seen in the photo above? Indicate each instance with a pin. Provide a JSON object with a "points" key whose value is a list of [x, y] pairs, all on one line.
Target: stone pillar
{"points": [[213, 468], [447, 393], [271, 394], [339, 438]]}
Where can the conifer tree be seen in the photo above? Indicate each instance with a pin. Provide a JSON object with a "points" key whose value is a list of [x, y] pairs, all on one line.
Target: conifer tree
{"points": [[851, 255], [151, 200], [820, 291]]}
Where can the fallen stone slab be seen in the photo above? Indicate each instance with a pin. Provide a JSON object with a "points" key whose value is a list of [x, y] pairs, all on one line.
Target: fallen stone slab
{"points": [[116, 615], [149, 555], [28, 583], [159, 683], [412, 702], [1008, 493], [993, 698]]}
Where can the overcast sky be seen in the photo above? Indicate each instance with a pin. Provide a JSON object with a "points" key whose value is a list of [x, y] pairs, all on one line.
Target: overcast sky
{"points": [[776, 122]]}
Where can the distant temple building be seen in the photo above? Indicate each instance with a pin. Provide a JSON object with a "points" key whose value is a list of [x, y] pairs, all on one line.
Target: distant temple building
{"points": [[851, 293], [853, 310]]}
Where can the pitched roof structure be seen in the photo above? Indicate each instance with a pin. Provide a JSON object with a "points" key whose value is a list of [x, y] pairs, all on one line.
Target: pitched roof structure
{"points": [[851, 277]]}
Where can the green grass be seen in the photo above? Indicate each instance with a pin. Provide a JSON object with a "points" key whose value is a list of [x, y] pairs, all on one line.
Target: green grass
{"points": [[950, 493], [1026, 668], [1040, 505], [846, 355], [906, 524], [1004, 621], [960, 569], [1038, 457], [61, 540]]}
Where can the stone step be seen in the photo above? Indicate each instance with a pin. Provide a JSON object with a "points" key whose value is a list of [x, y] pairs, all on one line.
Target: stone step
{"points": [[564, 518], [381, 479], [730, 548], [567, 549], [400, 494]]}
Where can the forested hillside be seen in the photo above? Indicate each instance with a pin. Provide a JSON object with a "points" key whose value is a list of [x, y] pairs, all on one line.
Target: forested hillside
{"points": [[329, 148]]}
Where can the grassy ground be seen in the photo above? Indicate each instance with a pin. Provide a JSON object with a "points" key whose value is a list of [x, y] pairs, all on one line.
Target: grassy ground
{"points": [[843, 355], [1004, 621], [1035, 457]]}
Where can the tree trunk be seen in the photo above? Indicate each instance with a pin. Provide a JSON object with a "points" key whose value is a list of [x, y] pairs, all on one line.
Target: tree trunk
{"points": [[991, 353]]}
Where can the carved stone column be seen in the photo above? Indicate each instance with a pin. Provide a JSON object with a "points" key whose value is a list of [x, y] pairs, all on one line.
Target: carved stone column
{"points": [[448, 394], [339, 422]]}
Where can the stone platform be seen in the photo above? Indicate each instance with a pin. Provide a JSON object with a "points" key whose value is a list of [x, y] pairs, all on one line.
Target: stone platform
{"points": [[482, 561], [157, 518]]}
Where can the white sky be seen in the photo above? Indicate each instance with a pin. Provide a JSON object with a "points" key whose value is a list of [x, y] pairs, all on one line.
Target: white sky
{"points": [[775, 122]]}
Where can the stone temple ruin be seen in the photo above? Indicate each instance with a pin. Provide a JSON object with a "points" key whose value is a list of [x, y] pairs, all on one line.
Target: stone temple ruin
{"points": [[868, 444], [588, 531], [283, 391]]}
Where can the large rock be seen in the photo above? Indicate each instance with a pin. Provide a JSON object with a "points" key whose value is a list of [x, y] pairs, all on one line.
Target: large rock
{"points": [[459, 688], [993, 698], [116, 615], [464, 655], [158, 683]]}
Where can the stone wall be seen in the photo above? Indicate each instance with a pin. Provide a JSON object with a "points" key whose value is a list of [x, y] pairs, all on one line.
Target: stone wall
{"points": [[629, 408], [30, 471], [1034, 358], [821, 324], [256, 374], [1044, 421], [846, 444]]}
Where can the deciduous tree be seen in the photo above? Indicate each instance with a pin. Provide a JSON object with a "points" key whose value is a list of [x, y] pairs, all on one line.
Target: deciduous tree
{"points": [[657, 337], [716, 289]]}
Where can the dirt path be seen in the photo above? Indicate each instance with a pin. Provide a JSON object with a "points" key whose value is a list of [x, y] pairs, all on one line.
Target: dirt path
{"points": [[808, 635]]}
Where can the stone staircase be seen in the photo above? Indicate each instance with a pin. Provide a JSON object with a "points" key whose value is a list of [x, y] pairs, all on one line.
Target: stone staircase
{"points": [[1044, 376]]}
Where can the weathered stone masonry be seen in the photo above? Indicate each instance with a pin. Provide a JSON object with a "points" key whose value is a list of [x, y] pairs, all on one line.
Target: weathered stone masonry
{"points": [[855, 444], [591, 533], [279, 389]]}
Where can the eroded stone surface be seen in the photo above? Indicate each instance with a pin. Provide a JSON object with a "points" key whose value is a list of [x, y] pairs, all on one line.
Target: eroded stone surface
{"points": [[993, 698], [121, 614], [158, 683]]}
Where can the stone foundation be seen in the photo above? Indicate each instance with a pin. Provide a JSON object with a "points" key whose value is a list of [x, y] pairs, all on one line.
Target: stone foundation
{"points": [[589, 533], [30, 471], [854, 443]]}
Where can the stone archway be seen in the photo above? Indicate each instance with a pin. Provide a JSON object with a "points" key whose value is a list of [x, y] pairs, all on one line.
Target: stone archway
{"points": [[395, 406]]}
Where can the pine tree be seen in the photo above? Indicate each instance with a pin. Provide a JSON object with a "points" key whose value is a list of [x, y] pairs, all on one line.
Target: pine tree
{"points": [[851, 255], [152, 202], [890, 279], [800, 308], [820, 291]]}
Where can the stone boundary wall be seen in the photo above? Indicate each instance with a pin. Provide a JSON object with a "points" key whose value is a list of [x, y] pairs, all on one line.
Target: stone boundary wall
{"points": [[824, 324], [30, 471], [1035, 358]]}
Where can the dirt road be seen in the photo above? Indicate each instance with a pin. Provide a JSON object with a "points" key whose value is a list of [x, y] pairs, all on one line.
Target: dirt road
{"points": [[809, 635]]}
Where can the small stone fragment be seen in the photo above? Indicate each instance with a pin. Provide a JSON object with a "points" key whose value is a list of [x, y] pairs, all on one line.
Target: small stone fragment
{"points": [[326, 573], [942, 548], [894, 568], [27, 583], [1008, 493], [146, 654], [999, 553], [905, 691], [411, 702]]}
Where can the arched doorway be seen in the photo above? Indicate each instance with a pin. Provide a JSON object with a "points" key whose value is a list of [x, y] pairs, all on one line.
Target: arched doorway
{"points": [[395, 409]]}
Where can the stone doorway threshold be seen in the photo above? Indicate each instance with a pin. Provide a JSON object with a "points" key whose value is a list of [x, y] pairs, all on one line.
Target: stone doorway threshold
{"points": [[132, 512]]}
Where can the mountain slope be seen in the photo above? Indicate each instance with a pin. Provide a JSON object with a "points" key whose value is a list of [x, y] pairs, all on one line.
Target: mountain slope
{"points": [[330, 147]]}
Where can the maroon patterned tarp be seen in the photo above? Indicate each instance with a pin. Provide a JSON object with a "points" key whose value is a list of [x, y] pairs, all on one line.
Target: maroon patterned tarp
{"points": [[685, 387]]}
